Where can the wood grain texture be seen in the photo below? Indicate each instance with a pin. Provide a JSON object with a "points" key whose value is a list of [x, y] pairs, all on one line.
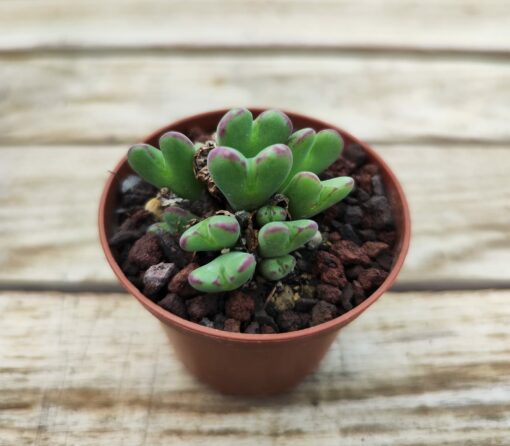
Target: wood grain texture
{"points": [[458, 196], [90, 99], [416, 369], [81, 80], [437, 24]]}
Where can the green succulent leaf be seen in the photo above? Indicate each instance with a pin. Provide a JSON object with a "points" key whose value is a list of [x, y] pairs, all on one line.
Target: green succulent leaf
{"points": [[247, 183], [238, 130], [313, 152], [179, 152], [280, 238], [267, 214], [270, 127], [326, 149], [158, 228], [171, 167], [212, 234], [308, 195], [176, 219], [149, 163], [225, 273], [234, 129], [300, 143], [277, 268]]}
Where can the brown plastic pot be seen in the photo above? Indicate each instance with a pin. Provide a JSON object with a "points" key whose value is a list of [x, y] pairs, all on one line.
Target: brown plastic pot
{"points": [[238, 363]]}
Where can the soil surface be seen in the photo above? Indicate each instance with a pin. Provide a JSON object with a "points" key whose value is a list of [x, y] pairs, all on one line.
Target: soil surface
{"points": [[331, 277]]}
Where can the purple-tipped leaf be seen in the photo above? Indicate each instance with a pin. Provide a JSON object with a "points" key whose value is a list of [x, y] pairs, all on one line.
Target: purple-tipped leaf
{"points": [[179, 152], [313, 152], [170, 167], [271, 127], [212, 234], [225, 273], [280, 238], [308, 195], [149, 163], [239, 131], [248, 183], [234, 129]]}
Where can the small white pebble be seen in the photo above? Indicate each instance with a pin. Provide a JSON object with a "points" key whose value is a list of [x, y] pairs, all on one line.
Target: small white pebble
{"points": [[129, 182], [315, 241]]}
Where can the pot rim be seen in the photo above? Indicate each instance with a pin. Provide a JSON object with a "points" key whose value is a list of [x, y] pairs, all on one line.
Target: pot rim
{"points": [[334, 324]]}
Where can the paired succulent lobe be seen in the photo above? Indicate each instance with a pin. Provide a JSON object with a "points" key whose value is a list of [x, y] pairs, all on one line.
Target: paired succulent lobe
{"points": [[308, 195], [313, 152], [212, 234], [149, 163], [238, 130], [171, 166], [248, 183], [280, 238], [225, 273]]}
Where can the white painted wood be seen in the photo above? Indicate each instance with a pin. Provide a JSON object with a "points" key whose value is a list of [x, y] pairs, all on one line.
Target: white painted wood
{"points": [[93, 369], [90, 99], [458, 196], [434, 24]]}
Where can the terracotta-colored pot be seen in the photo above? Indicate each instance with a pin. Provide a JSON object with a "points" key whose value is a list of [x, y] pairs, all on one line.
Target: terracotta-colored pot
{"points": [[246, 364]]}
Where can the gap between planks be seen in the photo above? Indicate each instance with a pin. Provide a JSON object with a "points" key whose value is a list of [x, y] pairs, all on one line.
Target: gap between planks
{"points": [[247, 50], [455, 24], [426, 142], [91, 287]]}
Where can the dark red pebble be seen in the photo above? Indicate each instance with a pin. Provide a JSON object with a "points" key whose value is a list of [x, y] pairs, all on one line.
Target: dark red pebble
{"points": [[179, 283], [232, 325], [174, 304], [323, 312], [202, 306], [145, 252], [239, 306]]}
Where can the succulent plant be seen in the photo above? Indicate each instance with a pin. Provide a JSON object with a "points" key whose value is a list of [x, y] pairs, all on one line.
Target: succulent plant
{"points": [[256, 168]]}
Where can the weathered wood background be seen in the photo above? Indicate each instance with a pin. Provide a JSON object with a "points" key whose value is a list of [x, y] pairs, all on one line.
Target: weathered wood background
{"points": [[428, 83]]}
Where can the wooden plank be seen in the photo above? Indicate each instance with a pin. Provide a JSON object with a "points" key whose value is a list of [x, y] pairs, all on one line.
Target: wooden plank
{"points": [[121, 98], [458, 196], [417, 369], [452, 24]]}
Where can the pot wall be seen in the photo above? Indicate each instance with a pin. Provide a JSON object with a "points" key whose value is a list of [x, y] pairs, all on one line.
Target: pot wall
{"points": [[239, 368]]}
